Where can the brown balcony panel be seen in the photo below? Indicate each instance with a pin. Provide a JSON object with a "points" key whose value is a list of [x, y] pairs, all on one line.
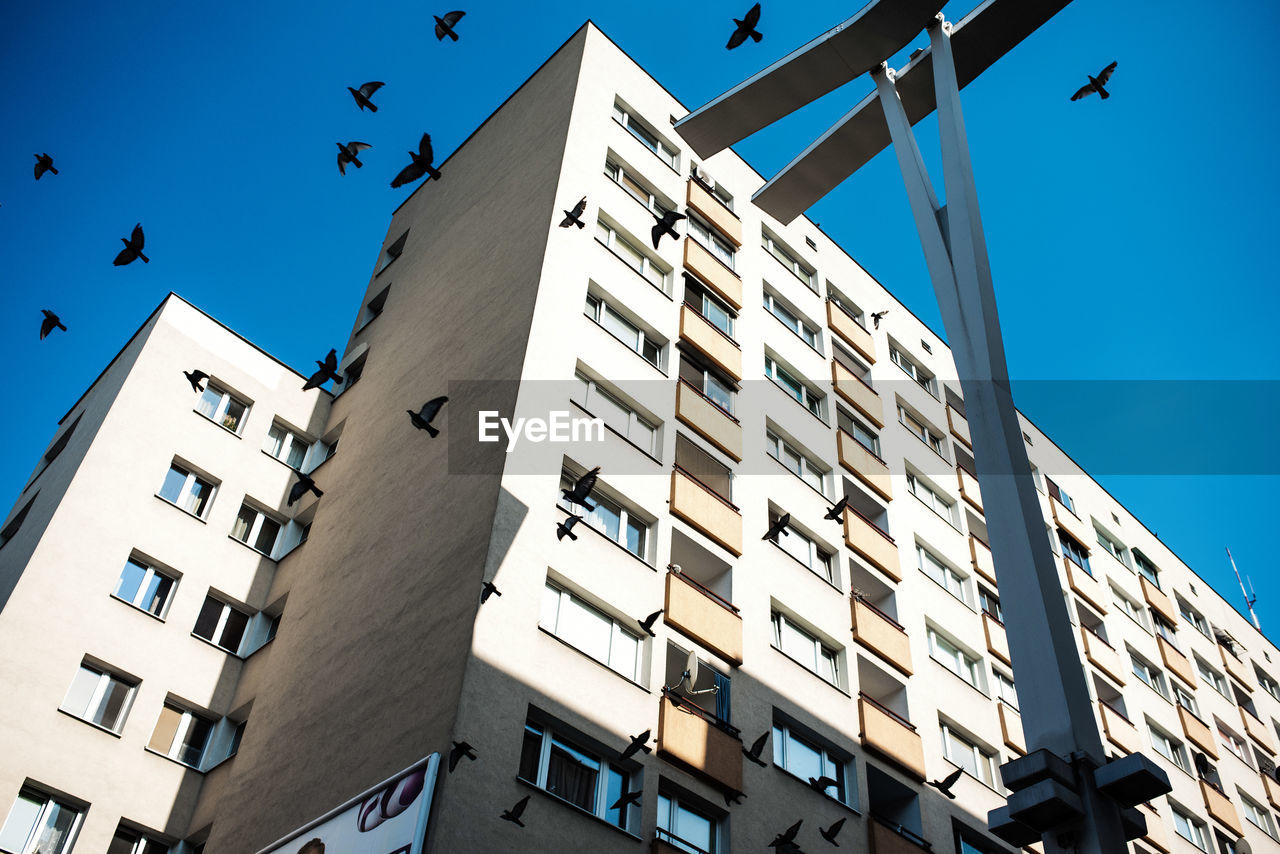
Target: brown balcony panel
{"points": [[690, 740], [1073, 524], [872, 544], [714, 212], [1198, 732], [857, 394], [1221, 808], [997, 640], [706, 511], [1011, 729], [708, 420], [1120, 732], [1236, 668], [703, 617], [1157, 834], [1102, 656], [880, 634], [869, 468], [710, 342], [1158, 601], [1176, 662], [851, 332], [883, 839], [969, 490], [891, 737], [980, 554], [1273, 790], [959, 426], [1086, 585], [713, 273], [1257, 730]]}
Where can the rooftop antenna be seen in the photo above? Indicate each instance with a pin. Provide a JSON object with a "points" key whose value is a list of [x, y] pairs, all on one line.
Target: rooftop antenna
{"points": [[1249, 596]]}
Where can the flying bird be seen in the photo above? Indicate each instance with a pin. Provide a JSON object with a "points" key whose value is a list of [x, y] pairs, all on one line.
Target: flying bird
{"points": [[565, 528], [350, 153], [419, 164], [582, 489], [746, 27], [327, 370], [132, 248], [1096, 84], [423, 417], [778, 527], [44, 163], [195, 378], [836, 513], [304, 485], [638, 743], [944, 785], [513, 814], [574, 217], [787, 838], [666, 224], [830, 833], [733, 797], [757, 747], [821, 784], [50, 322], [460, 749], [488, 589], [445, 25], [627, 799], [647, 622], [876, 317], [364, 93]]}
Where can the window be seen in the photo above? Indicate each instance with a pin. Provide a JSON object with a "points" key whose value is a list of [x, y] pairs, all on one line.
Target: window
{"points": [[624, 330], [552, 762], [786, 258], [798, 462], [373, 308], [976, 760], [1060, 494], [128, 841], [954, 582], [181, 734], [639, 190], [847, 306], [614, 520], [865, 436], [353, 372], [699, 463], [813, 400], [804, 648], [686, 828], [804, 756], [187, 490], [913, 369], [1130, 608], [620, 416], [712, 309], [989, 604], [11, 529], [144, 586], [710, 239], [39, 824], [1005, 689], [221, 624], [222, 408], [917, 428], [1150, 674], [1185, 698], [1268, 684], [1165, 629], [1190, 829], [255, 529], [647, 136], [1112, 546], [635, 257], [959, 662], [1257, 814], [286, 446], [99, 697], [1212, 676], [1234, 743], [941, 505], [1146, 568], [1074, 552], [55, 449], [1192, 616], [237, 734], [1169, 747], [801, 547], [717, 189], [591, 631], [792, 320], [709, 382], [392, 252]]}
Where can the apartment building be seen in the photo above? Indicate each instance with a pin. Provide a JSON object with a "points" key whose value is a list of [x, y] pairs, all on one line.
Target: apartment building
{"points": [[218, 691]]}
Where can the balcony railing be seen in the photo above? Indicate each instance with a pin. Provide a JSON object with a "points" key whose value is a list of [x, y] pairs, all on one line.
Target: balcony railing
{"points": [[881, 634], [702, 615], [1102, 655], [857, 393], [702, 200], [959, 425], [1011, 728], [878, 548], [980, 554], [1235, 667], [1176, 661], [850, 330], [1198, 732], [997, 640], [1158, 601], [1220, 807], [890, 735], [708, 419], [1257, 730], [869, 468], [886, 836], [1119, 730], [695, 739], [1086, 585], [704, 509], [711, 341], [666, 842], [969, 489], [713, 272]]}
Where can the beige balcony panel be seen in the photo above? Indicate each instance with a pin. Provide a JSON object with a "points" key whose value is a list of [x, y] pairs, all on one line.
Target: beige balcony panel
{"points": [[1176, 662], [980, 554], [959, 426], [857, 394], [869, 468], [712, 271], [1102, 656], [687, 738], [714, 212], [851, 332], [1011, 729], [1120, 732], [882, 839], [1273, 790], [1157, 834], [706, 511], [881, 635], [1074, 526], [1236, 668], [1257, 730], [1086, 585], [1158, 601], [1198, 732], [872, 544], [708, 420], [1221, 808], [711, 342], [891, 738], [703, 618], [969, 490], [997, 640]]}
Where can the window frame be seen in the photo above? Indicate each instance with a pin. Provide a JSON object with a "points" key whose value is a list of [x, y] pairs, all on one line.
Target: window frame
{"points": [[1197, 829], [632, 184], [184, 496], [707, 297], [286, 444], [551, 736], [674, 805], [788, 258], [776, 445], [1173, 748], [1250, 807], [149, 572], [590, 388], [949, 576], [792, 319], [1113, 547], [957, 656], [1077, 554], [709, 238], [924, 433], [916, 482], [46, 803], [221, 409], [820, 560], [649, 266], [220, 625], [664, 151], [809, 397], [780, 621], [620, 508], [177, 745], [99, 696], [254, 528], [911, 366], [843, 771], [617, 629], [982, 760], [595, 309], [1150, 675], [140, 841]]}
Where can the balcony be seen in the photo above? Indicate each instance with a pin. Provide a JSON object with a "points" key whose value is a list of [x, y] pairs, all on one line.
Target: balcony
{"points": [[1257, 730], [881, 634], [1071, 523], [857, 393], [1119, 730], [959, 426], [1157, 836], [1273, 790], [1086, 585], [703, 616], [851, 331], [870, 469], [1102, 655], [713, 273], [706, 511], [1176, 662], [711, 342], [713, 211], [1221, 808], [709, 421], [997, 641], [891, 735], [886, 838], [980, 554], [1158, 601], [873, 544], [969, 490], [1236, 668], [1198, 732], [687, 736], [1011, 728]]}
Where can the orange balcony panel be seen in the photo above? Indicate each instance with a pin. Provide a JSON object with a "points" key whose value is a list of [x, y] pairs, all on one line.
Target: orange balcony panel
{"points": [[703, 616], [1103, 656], [714, 212], [1157, 834], [1120, 730], [1236, 668], [1072, 523], [969, 489], [712, 271], [1011, 728], [1176, 662], [689, 739], [874, 545], [708, 420], [959, 426], [1158, 601], [883, 839], [881, 634], [711, 342], [1273, 790], [1198, 732], [1221, 808], [706, 511], [869, 468], [1257, 730], [1086, 585], [890, 736], [980, 554], [857, 393], [997, 641], [850, 331]]}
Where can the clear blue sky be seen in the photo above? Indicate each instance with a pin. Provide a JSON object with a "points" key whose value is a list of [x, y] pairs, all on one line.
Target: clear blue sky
{"points": [[1127, 237]]}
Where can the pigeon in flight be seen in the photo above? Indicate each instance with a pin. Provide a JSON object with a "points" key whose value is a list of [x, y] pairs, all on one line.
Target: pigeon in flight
{"points": [[836, 513], [419, 164], [132, 248], [944, 785], [830, 833], [328, 370], [821, 784], [304, 485], [876, 317], [638, 743], [445, 25], [746, 27], [488, 589], [513, 814], [666, 224], [44, 163], [460, 749], [1096, 84], [582, 489], [195, 378], [49, 323], [350, 153], [778, 527], [787, 838], [734, 797], [647, 622], [757, 747], [627, 799], [565, 528], [574, 217], [364, 93], [423, 417]]}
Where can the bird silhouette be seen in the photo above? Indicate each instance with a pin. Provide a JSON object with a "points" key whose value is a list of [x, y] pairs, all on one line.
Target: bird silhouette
{"points": [[574, 217], [647, 622], [327, 370], [1204, 768], [582, 489], [836, 513], [627, 799], [944, 785], [565, 528], [513, 814], [1096, 84], [757, 747], [733, 797], [746, 27], [364, 93], [132, 248], [787, 837], [44, 163], [460, 749], [419, 164], [638, 743], [821, 784], [304, 485], [666, 224], [876, 317], [195, 378], [50, 322], [445, 25], [423, 417], [349, 153], [779, 526], [830, 833], [488, 589]]}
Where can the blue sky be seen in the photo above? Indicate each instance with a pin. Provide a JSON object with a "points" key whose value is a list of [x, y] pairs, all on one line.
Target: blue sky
{"points": [[1127, 238]]}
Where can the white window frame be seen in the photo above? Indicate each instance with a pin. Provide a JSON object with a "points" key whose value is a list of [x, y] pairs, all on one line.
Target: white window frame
{"points": [[640, 129], [1269, 684], [1195, 832], [46, 804], [912, 368], [595, 309], [984, 762], [149, 574], [873, 445], [708, 236], [105, 680], [1194, 617], [623, 511], [668, 824], [633, 185], [788, 259], [811, 399], [1005, 688], [918, 428], [183, 500], [653, 271], [810, 471], [220, 409], [141, 842], [600, 797], [818, 560], [951, 656], [176, 746], [254, 529], [1258, 815], [1144, 567], [1129, 607], [1169, 747], [1213, 677], [699, 174], [567, 599], [221, 625], [844, 771], [792, 319], [637, 428], [856, 314], [281, 448], [933, 499], [708, 298], [1184, 697], [1149, 674], [821, 652], [951, 580], [1235, 744], [1113, 547]]}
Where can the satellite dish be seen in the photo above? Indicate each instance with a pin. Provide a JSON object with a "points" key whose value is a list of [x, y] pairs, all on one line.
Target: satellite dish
{"points": [[676, 568], [691, 669]]}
